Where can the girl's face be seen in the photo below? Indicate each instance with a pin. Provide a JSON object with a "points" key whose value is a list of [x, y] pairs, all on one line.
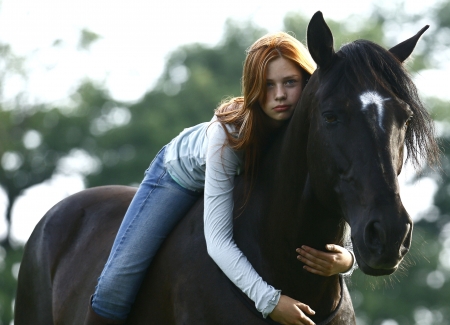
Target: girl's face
{"points": [[284, 87]]}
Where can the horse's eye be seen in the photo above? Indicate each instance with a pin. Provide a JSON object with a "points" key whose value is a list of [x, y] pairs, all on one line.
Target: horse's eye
{"points": [[330, 118]]}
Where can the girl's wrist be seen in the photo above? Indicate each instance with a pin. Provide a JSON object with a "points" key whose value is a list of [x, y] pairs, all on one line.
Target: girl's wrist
{"points": [[353, 267]]}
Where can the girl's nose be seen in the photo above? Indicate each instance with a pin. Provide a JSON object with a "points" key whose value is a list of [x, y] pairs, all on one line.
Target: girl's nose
{"points": [[280, 94]]}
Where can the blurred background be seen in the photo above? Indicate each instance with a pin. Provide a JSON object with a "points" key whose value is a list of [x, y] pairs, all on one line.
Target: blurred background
{"points": [[90, 91]]}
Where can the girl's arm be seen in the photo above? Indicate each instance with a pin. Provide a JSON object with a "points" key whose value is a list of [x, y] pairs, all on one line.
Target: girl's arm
{"points": [[290, 311], [221, 166], [336, 259]]}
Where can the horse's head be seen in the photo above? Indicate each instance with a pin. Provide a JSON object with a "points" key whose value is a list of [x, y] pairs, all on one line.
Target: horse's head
{"points": [[363, 110]]}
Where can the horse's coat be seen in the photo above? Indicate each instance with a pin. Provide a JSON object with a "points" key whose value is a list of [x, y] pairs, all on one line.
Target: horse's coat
{"points": [[325, 168]]}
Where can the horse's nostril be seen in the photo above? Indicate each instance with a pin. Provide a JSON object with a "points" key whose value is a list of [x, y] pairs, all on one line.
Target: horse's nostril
{"points": [[375, 237]]}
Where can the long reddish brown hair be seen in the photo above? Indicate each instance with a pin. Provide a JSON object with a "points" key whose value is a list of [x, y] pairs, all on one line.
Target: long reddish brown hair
{"points": [[245, 112]]}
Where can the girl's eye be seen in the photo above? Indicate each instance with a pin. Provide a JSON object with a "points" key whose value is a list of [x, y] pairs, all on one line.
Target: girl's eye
{"points": [[269, 84], [290, 82], [330, 118]]}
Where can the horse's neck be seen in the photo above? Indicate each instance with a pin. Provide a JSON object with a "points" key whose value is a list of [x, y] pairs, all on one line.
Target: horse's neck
{"points": [[293, 217], [287, 161]]}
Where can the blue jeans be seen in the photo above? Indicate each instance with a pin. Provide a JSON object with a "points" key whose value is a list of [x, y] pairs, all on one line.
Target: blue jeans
{"points": [[156, 208]]}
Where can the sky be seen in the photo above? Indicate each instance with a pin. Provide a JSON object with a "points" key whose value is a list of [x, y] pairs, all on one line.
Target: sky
{"points": [[135, 38]]}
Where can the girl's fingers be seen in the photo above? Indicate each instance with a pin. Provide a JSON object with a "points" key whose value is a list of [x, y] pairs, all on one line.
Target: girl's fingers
{"points": [[313, 270], [291, 311], [334, 248], [310, 250], [307, 255], [310, 258], [336, 260], [306, 309], [319, 255], [309, 263]]}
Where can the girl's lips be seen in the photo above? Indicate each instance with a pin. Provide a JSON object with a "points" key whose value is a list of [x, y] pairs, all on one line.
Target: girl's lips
{"points": [[281, 108]]}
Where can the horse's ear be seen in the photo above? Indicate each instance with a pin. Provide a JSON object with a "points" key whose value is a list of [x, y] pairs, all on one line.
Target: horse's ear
{"points": [[403, 50], [320, 40]]}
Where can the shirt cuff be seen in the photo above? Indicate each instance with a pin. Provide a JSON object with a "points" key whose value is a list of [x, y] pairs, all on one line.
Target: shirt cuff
{"points": [[271, 304], [354, 266]]}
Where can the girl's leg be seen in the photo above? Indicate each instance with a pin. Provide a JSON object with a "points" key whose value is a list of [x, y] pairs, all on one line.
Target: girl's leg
{"points": [[155, 210]]}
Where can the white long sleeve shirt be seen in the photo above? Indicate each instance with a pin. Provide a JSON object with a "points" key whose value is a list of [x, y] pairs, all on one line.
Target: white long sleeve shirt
{"points": [[198, 160]]}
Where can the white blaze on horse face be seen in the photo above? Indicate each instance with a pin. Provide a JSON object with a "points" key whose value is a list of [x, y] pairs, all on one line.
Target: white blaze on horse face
{"points": [[372, 97]]}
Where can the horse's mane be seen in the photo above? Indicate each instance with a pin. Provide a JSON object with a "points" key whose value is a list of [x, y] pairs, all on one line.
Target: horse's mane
{"points": [[368, 64]]}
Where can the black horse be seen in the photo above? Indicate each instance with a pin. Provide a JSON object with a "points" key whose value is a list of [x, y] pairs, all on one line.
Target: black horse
{"points": [[336, 162]]}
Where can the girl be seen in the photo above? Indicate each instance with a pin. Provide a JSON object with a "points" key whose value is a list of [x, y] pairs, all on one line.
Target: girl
{"points": [[204, 159]]}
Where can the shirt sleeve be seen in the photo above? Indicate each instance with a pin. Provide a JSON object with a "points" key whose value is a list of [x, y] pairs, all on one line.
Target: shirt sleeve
{"points": [[349, 246], [221, 165]]}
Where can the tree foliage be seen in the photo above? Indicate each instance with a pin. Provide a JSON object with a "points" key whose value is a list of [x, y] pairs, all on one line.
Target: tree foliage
{"points": [[35, 138]]}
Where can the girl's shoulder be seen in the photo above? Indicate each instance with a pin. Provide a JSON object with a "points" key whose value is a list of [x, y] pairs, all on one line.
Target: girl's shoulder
{"points": [[219, 130]]}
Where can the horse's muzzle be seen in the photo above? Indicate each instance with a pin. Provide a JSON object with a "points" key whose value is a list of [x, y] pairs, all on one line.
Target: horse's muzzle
{"points": [[380, 246]]}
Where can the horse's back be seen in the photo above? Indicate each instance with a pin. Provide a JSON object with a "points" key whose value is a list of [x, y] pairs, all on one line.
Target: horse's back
{"points": [[69, 247], [66, 253]]}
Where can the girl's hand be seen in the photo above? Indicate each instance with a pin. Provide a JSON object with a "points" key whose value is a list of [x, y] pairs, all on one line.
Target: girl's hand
{"points": [[291, 312], [336, 260]]}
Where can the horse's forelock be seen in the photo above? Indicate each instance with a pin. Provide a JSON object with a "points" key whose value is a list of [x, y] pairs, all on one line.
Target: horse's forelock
{"points": [[364, 65]]}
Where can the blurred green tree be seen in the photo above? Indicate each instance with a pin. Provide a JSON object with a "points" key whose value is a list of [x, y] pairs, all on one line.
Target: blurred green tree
{"points": [[33, 139], [9, 268]]}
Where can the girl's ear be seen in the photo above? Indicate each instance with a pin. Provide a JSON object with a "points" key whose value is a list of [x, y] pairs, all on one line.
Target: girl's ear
{"points": [[320, 41], [403, 50]]}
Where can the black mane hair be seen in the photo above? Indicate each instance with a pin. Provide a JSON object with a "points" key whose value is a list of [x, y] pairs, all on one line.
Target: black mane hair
{"points": [[364, 63]]}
